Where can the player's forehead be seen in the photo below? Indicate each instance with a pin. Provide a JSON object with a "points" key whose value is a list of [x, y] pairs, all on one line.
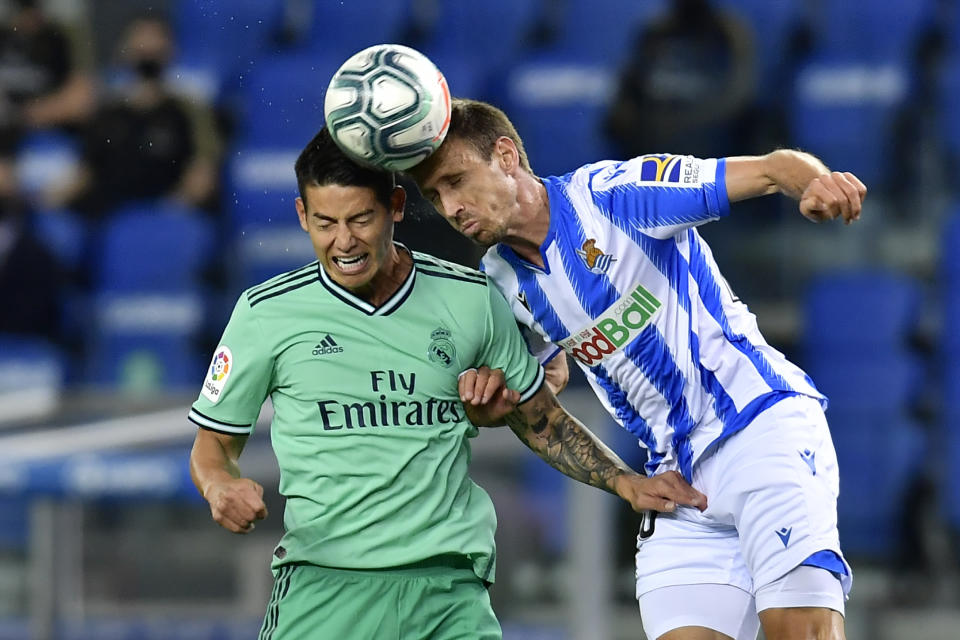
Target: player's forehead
{"points": [[340, 201], [454, 156]]}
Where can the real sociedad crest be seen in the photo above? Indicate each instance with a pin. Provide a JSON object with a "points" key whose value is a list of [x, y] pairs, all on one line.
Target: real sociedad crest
{"points": [[596, 260]]}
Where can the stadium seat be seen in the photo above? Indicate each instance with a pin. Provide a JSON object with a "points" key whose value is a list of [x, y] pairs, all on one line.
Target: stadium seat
{"points": [[282, 97], [879, 456], [558, 102], [860, 310], [884, 31], [845, 111], [487, 34], [154, 247], [773, 23], [148, 301], [227, 33], [261, 185], [348, 27], [603, 31], [949, 103]]}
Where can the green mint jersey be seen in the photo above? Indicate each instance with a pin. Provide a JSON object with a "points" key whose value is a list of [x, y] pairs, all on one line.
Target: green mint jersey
{"points": [[368, 428]]}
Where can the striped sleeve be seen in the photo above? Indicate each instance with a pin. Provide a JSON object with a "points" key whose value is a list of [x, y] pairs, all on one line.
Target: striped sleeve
{"points": [[660, 195]]}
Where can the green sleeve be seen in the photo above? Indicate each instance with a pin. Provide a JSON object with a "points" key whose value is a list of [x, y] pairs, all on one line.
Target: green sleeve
{"points": [[504, 348], [239, 377]]}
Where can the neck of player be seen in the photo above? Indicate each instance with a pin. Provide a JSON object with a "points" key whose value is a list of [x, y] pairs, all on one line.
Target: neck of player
{"points": [[533, 223], [391, 276]]}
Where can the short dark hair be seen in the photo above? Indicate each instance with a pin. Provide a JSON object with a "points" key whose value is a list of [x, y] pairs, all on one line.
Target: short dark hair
{"points": [[322, 163]]}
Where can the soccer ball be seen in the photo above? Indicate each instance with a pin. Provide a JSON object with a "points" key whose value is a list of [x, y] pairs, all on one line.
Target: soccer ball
{"points": [[388, 107]]}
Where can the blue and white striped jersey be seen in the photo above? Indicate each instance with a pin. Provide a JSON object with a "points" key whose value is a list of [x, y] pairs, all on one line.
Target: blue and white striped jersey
{"points": [[631, 291]]}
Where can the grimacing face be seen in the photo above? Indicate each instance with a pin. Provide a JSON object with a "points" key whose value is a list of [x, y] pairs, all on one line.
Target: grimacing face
{"points": [[351, 232], [474, 195]]}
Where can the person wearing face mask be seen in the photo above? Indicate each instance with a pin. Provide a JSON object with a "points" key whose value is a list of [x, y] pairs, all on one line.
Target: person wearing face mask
{"points": [[145, 141]]}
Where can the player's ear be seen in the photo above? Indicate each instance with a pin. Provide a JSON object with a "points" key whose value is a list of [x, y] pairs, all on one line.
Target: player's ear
{"points": [[398, 200], [301, 213], [507, 153]]}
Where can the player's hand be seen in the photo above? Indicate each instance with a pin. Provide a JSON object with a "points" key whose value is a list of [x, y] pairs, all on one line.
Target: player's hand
{"points": [[833, 195], [662, 492], [486, 397], [236, 504]]}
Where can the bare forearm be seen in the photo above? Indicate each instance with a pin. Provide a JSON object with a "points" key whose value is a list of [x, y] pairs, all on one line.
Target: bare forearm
{"points": [[784, 171], [568, 446], [211, 461]]}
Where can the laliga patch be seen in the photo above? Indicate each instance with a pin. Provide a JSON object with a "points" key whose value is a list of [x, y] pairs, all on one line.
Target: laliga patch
{"points": [[220, 368]]}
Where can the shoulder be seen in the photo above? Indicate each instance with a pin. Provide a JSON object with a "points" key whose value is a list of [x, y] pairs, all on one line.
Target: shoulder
{"points": [[281, 285], [434, 267]]}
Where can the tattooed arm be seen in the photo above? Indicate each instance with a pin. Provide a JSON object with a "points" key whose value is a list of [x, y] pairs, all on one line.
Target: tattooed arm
{"points": [[562, 441]]}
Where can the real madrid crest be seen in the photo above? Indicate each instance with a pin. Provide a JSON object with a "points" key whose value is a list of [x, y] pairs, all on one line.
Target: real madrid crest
{"points": [[441, 350]]}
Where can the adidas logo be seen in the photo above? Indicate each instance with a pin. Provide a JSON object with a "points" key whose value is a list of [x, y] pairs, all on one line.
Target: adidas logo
{"points": [[327, 346]]}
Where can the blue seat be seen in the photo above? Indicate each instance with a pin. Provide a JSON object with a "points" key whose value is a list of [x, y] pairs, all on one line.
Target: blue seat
{"points": [[488, 34], [557, 103], [148, 299], [949, 102], [859, 310], [872, 30], [772, 23], [879, 456], [226, 32], [153, 247], [145, 342], [845, 110], [869, 379], [348, 27], [261, 185], [264, 251], [283, 95], [603, 31]]}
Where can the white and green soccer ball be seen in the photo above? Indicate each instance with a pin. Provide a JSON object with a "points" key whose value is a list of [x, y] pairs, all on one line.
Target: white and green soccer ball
{"points": [[388, 106]]}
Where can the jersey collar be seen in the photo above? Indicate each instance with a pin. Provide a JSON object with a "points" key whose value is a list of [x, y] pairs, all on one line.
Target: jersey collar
{"points": [[511, 256], [389, 306]]}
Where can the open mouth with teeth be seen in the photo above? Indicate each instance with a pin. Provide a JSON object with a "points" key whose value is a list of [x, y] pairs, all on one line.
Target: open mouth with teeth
{"points": [[351, 264]]}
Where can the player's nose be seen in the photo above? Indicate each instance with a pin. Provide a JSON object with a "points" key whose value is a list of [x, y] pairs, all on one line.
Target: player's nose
{"points": [[344, 239]]}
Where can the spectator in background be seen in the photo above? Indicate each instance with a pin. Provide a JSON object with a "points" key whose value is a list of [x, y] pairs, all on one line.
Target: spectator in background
{"points": [[44, 77], [146, 141], [30, 279], [688, 85]]}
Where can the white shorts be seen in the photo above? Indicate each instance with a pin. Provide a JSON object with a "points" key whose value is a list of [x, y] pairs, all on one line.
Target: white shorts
{"points": [[772, 494]]}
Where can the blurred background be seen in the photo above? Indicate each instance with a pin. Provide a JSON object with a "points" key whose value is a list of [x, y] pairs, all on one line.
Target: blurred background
{"points": [[146, 179]]}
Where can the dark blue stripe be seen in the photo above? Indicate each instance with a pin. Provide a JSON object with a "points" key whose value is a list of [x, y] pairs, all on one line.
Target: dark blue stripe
{"points": [[629, 418], [710, 295], [543, 312]]}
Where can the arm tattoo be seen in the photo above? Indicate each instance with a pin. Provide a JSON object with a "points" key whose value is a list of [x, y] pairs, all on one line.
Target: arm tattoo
{"points": [[568, 446]]}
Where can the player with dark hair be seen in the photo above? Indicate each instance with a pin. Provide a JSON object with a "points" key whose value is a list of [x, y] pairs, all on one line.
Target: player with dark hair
{"points": [[361, 354]]}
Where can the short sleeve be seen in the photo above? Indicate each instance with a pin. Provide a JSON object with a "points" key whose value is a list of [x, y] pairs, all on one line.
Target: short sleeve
{"points": [[504, 348], [238, 379], [662, 195]]}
